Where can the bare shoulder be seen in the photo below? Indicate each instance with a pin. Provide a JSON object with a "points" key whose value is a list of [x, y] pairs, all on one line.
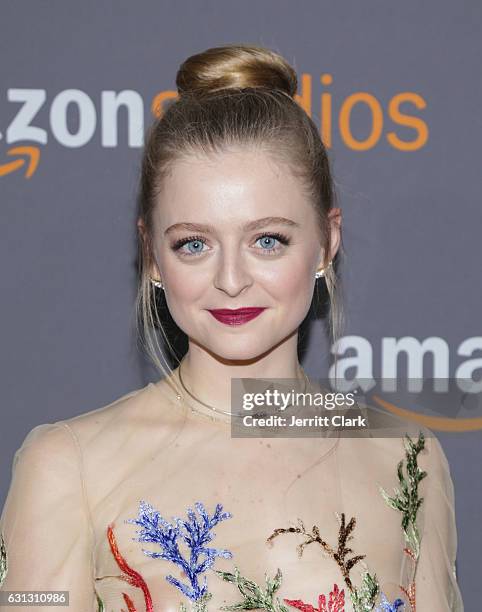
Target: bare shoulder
{"points": [[392, 439], [44, 445], [59, 440], [124, 427], [142, 407], [45, 465]]}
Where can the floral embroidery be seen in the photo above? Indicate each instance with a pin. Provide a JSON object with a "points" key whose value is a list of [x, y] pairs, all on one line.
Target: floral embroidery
{"points": [[196, 533], [3, 560], [362, 600], [386, 606], [254, 596], [132, 577], [336, 602], [100, 604], [407, 501]]}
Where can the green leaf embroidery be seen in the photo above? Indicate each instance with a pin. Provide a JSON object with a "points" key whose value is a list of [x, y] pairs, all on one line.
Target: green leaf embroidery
{"points": [[200, 605], [364, 597], [406, 498], [254, 596], [3, 560]]}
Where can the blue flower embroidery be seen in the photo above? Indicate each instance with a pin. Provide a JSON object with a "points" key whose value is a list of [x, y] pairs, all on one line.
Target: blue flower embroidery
{"points": [[386, 606], [195, 532]]}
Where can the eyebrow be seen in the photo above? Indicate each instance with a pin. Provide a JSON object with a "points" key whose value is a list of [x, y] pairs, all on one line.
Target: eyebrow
{"points": [[251, 225]]}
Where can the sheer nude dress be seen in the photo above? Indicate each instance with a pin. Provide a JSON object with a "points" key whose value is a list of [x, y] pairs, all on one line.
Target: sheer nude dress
{"points": [[78, 482]]}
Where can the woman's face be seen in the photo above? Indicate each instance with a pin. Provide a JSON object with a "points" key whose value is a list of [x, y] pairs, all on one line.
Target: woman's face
{"points": [[222, 261]]}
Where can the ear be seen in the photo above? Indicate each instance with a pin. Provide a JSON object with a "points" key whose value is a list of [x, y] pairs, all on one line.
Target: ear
{"points": [[154, 269], [334, 220], [141, 226]]}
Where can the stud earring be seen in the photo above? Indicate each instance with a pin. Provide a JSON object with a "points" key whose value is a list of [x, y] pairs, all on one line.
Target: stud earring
{"points": [[320, 273], [156, 283]]}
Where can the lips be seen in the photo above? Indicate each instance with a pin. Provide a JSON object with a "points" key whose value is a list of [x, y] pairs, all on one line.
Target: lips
{"points": [[236, 317]]}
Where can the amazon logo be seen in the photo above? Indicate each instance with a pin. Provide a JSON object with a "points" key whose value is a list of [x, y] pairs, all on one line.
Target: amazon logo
{"points": [[436, 423], [90, 117], [438, 387], [28, 158], [99, 118]]}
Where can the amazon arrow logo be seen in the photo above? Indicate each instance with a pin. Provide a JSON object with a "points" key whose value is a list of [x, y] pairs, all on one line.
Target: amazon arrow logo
{"points": [[29, 158], [432, 422]]}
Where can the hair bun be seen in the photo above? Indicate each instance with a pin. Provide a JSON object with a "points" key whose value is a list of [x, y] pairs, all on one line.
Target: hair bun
{"points": [[235, 66]]}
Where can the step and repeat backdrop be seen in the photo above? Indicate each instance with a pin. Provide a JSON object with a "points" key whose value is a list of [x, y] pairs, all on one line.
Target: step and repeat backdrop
{"points": [[395, 89]]}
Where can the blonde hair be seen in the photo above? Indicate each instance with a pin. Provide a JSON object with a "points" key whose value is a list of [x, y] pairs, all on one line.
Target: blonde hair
{"points": [[235, 95]]}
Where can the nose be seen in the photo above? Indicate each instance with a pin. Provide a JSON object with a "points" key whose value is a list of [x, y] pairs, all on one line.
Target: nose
{"points": [[232, 275]]}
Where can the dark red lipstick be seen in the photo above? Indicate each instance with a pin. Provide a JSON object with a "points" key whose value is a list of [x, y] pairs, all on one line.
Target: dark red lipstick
{"points": [[235, 317]]}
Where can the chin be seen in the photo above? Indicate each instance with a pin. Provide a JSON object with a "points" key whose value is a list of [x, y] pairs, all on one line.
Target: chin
{"points": [[237, 349]]}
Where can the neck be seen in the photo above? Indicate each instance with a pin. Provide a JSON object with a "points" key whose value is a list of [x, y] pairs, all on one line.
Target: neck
{"points": [[209, 379]]}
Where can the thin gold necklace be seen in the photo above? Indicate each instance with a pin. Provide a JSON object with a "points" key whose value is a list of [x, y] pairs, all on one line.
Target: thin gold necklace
{"points": [[218, 410]]}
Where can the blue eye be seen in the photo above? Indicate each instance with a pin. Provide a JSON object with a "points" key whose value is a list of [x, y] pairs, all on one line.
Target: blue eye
{"points": [[196, 241], [196, 246], [268, 239]]}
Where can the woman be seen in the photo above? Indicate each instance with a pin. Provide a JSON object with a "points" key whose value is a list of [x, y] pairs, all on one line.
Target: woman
{"points": [[149, 503]]}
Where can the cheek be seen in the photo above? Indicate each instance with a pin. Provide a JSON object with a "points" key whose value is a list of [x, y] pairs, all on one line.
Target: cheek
{"points": [[292, 291], [185, 282], [299, 284], [188, 291], [290, 283], [183, 292]]}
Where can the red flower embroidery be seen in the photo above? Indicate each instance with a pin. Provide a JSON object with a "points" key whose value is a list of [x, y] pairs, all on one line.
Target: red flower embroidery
{"points": [[132, 577], [409, 589], [336, 602], [130, 604]]}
